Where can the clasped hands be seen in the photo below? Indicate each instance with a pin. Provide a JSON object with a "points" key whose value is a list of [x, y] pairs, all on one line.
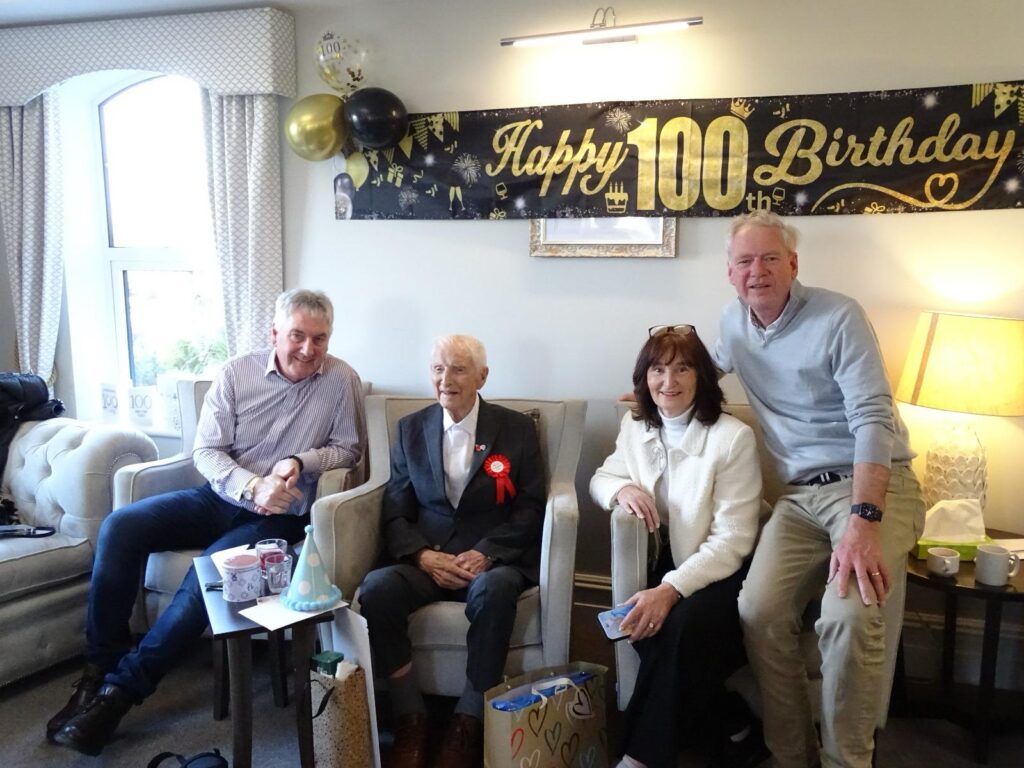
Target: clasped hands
{"points": [[452, 571], [276, 492]]}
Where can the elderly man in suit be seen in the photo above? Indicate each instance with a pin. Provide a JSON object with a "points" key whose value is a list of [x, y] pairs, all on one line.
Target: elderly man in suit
{"points": [[462, 518]]}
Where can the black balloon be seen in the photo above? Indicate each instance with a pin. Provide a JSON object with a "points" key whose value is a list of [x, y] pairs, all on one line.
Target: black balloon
{"points": [[376, 117]]}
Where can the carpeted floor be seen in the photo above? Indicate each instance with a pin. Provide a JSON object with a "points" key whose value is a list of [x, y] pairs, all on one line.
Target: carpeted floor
{"points": [[178, 718]]}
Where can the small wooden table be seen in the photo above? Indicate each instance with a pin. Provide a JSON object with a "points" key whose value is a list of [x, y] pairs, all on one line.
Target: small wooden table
{"points": [[964, 585], [236, 630]]}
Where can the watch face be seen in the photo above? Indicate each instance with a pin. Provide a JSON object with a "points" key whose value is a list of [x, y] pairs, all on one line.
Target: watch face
{"points": [[867, 511]]}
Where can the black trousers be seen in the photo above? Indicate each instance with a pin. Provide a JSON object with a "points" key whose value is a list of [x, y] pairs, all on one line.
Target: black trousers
{"points": [[683, 669], [389, 595]]}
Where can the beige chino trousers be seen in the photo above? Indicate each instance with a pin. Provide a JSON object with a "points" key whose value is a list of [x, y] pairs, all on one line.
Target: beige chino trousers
{"points": [[788, 571]]}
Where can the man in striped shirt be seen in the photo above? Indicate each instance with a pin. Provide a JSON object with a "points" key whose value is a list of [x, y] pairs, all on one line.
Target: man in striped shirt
{"points": [[272, 422]]}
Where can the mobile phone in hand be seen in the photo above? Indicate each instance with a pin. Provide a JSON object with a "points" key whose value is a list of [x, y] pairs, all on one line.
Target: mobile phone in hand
{"points": [[610, 621]]}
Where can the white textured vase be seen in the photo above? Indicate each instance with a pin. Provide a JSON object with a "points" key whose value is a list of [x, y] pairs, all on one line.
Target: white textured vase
{"points": [[956, 467]]}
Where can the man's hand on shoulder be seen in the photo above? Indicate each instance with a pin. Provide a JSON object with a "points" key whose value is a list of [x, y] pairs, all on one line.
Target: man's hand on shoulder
{"points": [[273, 495], [443, 569], [860, 552]]}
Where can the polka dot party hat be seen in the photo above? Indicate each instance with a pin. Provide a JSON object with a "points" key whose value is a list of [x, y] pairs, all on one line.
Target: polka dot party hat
{"points": [[310, 589]]}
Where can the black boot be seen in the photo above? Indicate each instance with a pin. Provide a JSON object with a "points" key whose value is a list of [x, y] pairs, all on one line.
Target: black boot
{"points": [[89, 731], [85, 689]]}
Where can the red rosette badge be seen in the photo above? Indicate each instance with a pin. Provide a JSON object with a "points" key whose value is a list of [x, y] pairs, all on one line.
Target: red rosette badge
{"points": [[498, 467]]}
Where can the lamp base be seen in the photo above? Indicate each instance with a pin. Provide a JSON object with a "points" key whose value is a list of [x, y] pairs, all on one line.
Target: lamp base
{"points": [[956, 467]]}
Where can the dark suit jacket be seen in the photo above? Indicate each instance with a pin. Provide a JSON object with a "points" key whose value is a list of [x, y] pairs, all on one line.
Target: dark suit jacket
{"points": [[417, 514]]}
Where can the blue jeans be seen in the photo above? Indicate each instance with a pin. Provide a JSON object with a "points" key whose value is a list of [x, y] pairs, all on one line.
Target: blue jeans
{"points": [[196, 518]]}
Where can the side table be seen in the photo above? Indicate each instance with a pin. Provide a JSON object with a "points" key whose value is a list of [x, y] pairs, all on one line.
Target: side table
{"points": [[236, 630], [953, 588]]}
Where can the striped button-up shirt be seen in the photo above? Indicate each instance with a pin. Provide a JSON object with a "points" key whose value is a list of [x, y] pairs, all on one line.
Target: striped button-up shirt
{"points": [[253, 417]]}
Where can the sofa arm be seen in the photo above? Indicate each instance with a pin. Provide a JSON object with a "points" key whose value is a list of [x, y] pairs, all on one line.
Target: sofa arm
{"points": [[346, 528], [140, 481], [557, 571], [629, 576], [60, 471]]}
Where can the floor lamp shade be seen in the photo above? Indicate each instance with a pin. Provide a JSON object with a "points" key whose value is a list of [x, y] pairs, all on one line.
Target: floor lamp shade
{"points": [[967, 364]]}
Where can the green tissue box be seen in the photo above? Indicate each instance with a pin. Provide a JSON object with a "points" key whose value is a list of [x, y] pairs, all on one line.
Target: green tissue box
{"points": [[967, 551]]}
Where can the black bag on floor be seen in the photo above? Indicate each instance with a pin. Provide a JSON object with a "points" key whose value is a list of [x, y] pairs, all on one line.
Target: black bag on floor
{"points": [[202, 760]]}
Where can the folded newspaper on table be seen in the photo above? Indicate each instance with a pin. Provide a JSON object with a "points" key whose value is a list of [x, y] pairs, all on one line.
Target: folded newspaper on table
{"points": [[955, 523]]}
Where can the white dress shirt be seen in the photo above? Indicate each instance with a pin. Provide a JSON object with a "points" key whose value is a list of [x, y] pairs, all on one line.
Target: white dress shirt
{"points": [[458, 452]]}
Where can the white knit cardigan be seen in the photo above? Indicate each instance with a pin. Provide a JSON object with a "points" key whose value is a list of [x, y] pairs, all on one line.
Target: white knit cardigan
{"points": [[716, 481]]}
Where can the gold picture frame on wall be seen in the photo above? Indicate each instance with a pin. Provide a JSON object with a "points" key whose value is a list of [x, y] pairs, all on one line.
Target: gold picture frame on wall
{"points": [[619, 237]]}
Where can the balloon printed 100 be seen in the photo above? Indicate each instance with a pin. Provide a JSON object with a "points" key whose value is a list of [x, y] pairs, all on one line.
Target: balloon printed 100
{"points": [[341, 62]]}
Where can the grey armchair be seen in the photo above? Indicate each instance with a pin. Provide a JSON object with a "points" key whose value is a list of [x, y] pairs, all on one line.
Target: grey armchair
{"points": [[347, 531], [629, 558], [59, 473]]}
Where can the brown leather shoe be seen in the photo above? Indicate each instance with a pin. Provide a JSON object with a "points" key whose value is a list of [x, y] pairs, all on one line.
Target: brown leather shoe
{"points": [[410, 747], [85, 689], [463, 745]]}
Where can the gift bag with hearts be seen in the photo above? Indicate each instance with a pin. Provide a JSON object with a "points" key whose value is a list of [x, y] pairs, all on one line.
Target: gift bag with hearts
{"points": [[341, 718], [548, 717]]}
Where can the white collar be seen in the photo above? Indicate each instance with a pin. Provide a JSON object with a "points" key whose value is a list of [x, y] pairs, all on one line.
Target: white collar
{"points": [[468, 423]]}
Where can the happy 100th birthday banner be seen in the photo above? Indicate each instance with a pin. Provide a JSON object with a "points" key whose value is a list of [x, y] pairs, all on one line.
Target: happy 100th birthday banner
{"points": [[933, 149]]}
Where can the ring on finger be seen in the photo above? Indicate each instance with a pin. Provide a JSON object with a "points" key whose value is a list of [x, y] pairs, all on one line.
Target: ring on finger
{"points": [[875, 573]]}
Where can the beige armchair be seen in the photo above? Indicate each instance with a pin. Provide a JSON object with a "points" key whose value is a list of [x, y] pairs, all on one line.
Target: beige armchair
{"points": [[629, 558], [347, 531]]}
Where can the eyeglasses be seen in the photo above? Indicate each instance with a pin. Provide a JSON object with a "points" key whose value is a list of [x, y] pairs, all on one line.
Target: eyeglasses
{"points": [[658, 330]]}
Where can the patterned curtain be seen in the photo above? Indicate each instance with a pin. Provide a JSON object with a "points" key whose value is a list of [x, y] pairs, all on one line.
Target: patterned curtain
{"points": [[242, 148], [29, 199]]}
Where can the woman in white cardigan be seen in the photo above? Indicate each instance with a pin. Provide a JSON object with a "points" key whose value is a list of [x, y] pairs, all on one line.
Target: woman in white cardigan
{"points": [[691, 473]]}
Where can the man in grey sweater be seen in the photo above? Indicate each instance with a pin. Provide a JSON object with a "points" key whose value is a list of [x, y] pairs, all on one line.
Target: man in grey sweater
{"points": [[851, 510]]}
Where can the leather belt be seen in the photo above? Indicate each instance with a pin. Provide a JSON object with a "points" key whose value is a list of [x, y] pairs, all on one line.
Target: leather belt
{"points": [[825, 478]]}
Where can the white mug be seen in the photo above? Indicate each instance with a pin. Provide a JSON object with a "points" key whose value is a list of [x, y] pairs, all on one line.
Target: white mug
{"points": [[943, 561], [995, 565], [242, 580]]}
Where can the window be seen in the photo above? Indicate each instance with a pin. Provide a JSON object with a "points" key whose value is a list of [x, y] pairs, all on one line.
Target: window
{"points": [[144, 298], [154, 162]]}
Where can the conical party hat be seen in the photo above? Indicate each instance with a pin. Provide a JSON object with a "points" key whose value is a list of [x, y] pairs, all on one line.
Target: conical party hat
{"points": [[310, 589]]}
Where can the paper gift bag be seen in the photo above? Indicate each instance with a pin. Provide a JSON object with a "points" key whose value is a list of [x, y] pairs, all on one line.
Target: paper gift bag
{"points": [[341, 719], [549, 717]]}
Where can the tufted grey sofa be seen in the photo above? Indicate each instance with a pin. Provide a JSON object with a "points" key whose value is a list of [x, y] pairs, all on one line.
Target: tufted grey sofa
{"points": [[59, 473]]}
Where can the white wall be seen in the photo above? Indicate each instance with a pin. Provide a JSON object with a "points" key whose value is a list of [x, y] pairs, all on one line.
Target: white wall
{"points": [[571, 328]]}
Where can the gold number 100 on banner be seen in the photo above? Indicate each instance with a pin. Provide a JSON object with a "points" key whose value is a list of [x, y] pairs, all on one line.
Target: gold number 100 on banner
{"points": [[680, 182]]}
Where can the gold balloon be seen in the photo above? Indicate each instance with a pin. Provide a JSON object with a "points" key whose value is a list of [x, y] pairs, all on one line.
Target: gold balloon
{"points": [[357, 167], [315, 126]]}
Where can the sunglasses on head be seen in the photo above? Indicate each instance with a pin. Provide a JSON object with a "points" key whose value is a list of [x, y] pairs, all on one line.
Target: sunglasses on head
{"points": [[658, 330]]}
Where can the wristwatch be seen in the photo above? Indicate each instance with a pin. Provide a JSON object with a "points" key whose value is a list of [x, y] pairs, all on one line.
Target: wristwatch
{"points": [[869, 512], [250, 488]]}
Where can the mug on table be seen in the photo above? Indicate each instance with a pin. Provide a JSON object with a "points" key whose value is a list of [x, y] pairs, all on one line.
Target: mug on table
{"points": [[943, 561], [995, 565]]}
